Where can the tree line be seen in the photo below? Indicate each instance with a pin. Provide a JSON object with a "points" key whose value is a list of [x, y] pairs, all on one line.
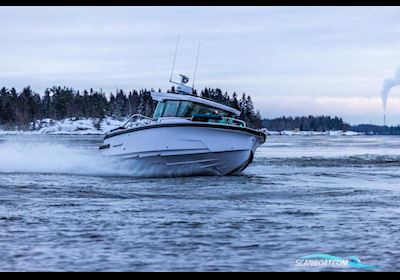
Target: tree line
{"points": [[19, 109], [326, 123], [371, 129], [306, 123]]}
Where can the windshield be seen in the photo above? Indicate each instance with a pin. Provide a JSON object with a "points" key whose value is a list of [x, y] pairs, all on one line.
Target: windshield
{"points": [[185, 109]]}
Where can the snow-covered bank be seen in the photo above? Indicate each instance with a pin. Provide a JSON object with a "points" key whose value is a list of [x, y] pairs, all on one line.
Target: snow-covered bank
{"points": [[312, 133], [82, 126], [87, 126]]}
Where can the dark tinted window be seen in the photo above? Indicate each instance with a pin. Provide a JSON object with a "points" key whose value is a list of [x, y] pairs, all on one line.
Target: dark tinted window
{"points": [[185, 109]]}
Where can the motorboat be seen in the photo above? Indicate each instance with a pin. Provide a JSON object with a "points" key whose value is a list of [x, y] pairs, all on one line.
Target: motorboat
{"points": [[187, 135]]}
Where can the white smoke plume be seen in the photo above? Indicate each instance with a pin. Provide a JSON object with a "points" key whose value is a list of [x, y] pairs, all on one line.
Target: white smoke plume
{"points": [[388, 84]]}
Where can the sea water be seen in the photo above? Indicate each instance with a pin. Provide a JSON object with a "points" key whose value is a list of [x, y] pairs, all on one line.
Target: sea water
{"points": [[64, 207]]}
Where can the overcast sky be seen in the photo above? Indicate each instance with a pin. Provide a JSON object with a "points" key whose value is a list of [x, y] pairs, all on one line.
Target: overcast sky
{"points": [[291, 60]]}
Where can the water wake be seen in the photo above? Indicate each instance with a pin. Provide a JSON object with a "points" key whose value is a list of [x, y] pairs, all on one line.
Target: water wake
{"points": [[56, 158], [34, 157]]}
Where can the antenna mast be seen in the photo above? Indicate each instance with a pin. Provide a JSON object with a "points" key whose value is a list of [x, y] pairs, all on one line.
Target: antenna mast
{"points": [[195, 68], [173, 64]]}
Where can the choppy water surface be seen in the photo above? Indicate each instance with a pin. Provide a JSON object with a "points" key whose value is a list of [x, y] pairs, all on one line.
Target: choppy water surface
{"points": [[64, 207]]}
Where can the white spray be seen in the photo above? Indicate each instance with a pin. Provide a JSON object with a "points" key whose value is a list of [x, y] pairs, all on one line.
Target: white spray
{"points": [[34, 157], [54, 158], [388, 84]]}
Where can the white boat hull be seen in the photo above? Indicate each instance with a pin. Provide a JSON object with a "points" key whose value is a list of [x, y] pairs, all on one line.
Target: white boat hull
{"points": [[185, 150]]}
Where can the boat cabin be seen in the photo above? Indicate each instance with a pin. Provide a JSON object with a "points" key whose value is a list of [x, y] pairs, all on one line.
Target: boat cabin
{"points": [[194, 108]]}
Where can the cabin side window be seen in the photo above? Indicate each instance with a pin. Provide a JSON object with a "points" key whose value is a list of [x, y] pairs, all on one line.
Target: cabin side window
{"points": [[189, 109], [206, 110], [185, 109]]}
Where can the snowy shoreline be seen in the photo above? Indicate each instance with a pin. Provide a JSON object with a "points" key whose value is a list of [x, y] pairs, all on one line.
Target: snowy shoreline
{"points": [[93, 126], [70, 126], [313, 133]]}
